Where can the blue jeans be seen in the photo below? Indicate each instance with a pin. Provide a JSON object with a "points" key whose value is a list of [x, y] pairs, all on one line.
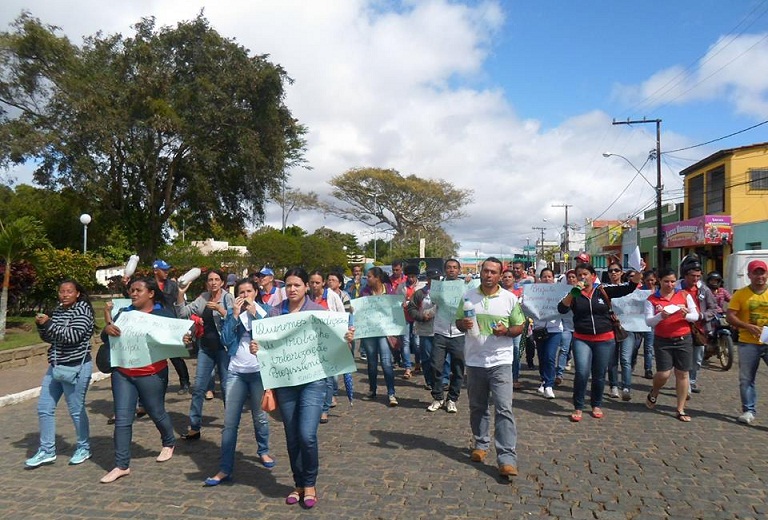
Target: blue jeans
{"points": [[331, 389], [698, 359], [442, 348], [627, 349], [375, 348], [591, 357], [50, 393], [516, 362], [564, 353], [547, 353], [126, 391], [646, 338], [613, 368], [409, 340], [206, 361], [301, 406], [749, 359], [484, 385], [242, 387], [425, 354]]}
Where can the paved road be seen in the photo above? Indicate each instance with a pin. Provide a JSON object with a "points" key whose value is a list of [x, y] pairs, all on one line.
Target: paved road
{"points": [[403, 463]]}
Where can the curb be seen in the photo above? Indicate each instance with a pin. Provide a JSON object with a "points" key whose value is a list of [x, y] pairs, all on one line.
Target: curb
{"points": [[20, 397]]}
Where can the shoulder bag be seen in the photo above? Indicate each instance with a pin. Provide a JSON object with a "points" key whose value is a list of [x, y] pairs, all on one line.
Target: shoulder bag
{"points": [[618, 330]]}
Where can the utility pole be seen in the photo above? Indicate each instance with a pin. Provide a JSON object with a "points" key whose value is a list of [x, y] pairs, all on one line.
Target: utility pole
{"points": [[659, 186], [566, 246], [542, 229]]}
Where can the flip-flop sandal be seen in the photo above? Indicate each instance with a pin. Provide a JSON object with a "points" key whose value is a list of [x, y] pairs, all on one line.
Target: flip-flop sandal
{"points": [[576, 417], [683, 417], [597, 414], [650, 401]]}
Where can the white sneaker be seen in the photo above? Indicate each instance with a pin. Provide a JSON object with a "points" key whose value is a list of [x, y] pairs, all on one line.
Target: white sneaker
{"points": [[549, 393], [626, 395], [435, 406], [450, 407], [541, 389], [615, 392], [746, 418], [392, 400]]}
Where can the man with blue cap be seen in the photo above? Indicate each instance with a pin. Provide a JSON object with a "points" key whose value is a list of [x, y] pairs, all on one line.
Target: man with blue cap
{"points": [[271, 294], [170, 290]]}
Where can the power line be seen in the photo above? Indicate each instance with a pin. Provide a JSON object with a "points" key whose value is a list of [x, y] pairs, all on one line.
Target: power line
{"points": [[715, 140]]}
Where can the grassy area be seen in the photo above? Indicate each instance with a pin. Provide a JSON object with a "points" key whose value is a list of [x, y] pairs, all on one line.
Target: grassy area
{"points": [[20, 331]]}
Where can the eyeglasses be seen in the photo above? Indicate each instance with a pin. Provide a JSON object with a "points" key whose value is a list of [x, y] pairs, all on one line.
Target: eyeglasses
{"points": [[614, 270]]}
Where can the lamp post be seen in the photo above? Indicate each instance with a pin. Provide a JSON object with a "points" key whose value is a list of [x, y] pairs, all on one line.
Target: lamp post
{"points": [[658, 188], [528, 251], [85, 219]]}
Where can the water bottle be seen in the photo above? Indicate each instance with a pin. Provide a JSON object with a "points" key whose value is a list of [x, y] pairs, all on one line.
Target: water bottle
{"points": [[130, 266], [189, 277], [469, 313]]}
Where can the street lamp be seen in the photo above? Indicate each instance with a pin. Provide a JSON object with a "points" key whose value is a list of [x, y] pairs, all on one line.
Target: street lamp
{"points": [[658, 188], [85, 219]]}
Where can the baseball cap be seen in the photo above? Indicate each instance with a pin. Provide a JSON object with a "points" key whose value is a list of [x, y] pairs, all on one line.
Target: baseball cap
{"points": [[161, 264], [583, 258], [231, 279], [756, 264], [433, 274], [266, 271]]}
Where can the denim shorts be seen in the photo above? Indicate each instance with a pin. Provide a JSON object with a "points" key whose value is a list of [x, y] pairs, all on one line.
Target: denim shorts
{"points": [[673, 353]]}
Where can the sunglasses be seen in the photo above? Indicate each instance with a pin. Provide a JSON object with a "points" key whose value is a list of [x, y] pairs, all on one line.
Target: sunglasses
{"points": [[614, 270]]}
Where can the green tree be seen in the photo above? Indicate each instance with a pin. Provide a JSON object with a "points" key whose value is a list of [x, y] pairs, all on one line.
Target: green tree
{"points": [[271, 247], [388, 201], [54, 265], [173, 118], [18, 241]]}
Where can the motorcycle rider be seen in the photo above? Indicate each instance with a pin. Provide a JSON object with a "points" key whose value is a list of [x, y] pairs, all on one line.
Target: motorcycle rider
{"points": [[721, 294]]}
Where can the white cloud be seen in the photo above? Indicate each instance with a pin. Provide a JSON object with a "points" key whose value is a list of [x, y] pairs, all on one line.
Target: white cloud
{"points": [[733, 69], [395, 89]]}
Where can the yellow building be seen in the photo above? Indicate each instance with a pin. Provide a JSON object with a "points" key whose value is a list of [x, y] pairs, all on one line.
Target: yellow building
{"points": [[725, 205]]}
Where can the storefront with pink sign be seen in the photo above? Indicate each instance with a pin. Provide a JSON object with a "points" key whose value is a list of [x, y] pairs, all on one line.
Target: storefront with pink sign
{"points": [[709, 236]]}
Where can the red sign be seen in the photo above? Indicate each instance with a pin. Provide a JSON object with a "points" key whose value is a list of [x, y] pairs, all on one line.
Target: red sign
{"points": [[699, 231]]}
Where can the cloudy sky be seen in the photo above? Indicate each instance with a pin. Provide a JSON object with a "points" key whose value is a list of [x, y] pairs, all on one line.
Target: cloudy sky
{"points": [[514, 99]]}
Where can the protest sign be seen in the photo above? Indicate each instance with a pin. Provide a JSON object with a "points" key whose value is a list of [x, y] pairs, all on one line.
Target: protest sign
{"points": [[377, 316], [145, 339], [630, 310], [119, 303], [448, 295], [302, 347], [540, 300]]}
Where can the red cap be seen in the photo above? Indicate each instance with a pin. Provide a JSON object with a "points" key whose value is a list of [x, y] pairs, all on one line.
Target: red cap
{"points": [[756, 264], [582, 258]]}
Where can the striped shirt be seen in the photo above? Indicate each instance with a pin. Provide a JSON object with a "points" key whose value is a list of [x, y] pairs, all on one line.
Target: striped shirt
{"points": [[69, 332]]}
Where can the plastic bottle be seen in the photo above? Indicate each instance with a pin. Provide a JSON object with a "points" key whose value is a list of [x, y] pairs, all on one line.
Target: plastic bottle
{"points": [[189, 277], [469, 313], [130, 266]]}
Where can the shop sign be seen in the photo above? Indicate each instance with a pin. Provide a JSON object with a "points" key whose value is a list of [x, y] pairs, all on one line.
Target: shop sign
{"points": [[699, 231]]}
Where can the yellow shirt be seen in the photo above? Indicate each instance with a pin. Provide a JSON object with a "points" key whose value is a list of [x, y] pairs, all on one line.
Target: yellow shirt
{"points": [[751, 308]]}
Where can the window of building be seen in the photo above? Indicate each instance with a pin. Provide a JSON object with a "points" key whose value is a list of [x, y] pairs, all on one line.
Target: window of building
{"points": [[696, 196], [758, 179], [754, 246], [716, 190]]}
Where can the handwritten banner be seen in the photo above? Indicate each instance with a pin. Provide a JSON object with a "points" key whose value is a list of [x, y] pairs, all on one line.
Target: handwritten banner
{"points": [[540, 300], [302, 347], [448, 295], [630, 310], [145, 339], [119, 303], [377, 316]]}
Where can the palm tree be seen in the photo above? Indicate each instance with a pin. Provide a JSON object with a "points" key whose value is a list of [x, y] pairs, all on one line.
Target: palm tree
{"points": [[18, 241]]}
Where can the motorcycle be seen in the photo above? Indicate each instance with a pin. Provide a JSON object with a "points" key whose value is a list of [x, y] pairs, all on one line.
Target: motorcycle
{"points": [[720, 342]]}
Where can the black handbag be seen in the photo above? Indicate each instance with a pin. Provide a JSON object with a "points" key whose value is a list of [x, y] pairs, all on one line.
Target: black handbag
{"points": [[104, 359]]}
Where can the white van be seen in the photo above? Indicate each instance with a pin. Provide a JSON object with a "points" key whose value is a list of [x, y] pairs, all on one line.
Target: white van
{"points": [[736, 271]]}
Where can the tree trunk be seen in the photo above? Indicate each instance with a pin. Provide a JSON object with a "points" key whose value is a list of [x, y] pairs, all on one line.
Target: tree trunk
{"points": [[4, 298]]}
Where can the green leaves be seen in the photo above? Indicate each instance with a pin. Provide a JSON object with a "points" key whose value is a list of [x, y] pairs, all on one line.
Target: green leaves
{"points": [[169, 118]]}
